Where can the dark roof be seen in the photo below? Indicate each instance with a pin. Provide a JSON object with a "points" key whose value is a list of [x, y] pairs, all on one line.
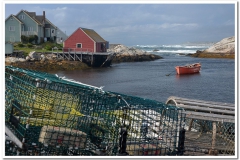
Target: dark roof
{"points": [[33, 16], [94, 35], [39, 18], [15, 18]]}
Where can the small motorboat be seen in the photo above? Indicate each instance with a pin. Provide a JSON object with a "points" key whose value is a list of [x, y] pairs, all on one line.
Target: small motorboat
{"points": [[188, 69]]}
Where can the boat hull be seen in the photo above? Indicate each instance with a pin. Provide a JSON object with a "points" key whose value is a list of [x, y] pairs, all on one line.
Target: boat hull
{"points": [[190, 69]]}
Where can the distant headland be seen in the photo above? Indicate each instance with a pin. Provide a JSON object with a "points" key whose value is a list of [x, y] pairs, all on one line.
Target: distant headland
{"points": [[223, 49]]}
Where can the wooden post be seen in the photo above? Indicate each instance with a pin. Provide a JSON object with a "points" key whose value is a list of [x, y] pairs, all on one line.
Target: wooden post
{"points": [[190, 125], [214, 136], [92, 59], [75, 55]]}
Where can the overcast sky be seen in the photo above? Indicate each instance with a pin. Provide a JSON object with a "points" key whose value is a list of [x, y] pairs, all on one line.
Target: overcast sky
{"points": [[132, 24]]}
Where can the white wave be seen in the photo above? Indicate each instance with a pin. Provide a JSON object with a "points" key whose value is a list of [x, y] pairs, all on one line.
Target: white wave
{"points": [[147, 46], [175, 51], [172, 46], [204, 46], [196, 46]]}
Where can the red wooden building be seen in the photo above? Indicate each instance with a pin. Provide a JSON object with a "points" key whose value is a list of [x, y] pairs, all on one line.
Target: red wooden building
{"points": [[85, 40]]}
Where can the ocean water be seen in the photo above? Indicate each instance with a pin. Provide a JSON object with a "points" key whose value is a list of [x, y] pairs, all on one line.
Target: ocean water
{"points": [[166, 50], [215, 82]]}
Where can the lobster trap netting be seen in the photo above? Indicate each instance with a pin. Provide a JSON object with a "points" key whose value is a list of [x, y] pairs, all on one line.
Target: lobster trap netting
{"points": [[50, 115], [209, 137]]}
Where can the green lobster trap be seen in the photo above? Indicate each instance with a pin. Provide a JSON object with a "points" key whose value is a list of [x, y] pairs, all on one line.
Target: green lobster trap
{"points": [[50, 115]]}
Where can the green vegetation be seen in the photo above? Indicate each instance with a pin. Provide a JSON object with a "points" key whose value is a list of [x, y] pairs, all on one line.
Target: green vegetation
{"points": [[29, 47], [30, 39]]}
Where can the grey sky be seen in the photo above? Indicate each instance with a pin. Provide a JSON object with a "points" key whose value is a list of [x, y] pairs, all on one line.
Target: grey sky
{"points": [[133, 24]]}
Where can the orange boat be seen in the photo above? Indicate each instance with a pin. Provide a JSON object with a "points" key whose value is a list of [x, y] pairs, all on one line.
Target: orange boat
{"points": [[188, 69]]}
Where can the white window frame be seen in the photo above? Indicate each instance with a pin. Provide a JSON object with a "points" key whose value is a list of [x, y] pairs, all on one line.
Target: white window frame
{"points": [[22, 16], [77, 45], [11, 28], [30, 28]]}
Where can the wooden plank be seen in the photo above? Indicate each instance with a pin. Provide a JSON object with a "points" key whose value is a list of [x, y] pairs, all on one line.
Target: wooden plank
{"points": [[209, 115], [206, 104], [196, 100], [13, 137], [200, 102], [210, 118], [190, 107]]}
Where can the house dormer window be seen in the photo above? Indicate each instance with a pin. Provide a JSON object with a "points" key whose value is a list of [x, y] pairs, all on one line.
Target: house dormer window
{"points": [[79, 45], [22, 16]]}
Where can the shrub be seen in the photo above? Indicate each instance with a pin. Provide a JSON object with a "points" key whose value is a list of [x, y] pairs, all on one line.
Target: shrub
{"points": [[24, 39], [35, 39], [48, 47], [20, 45], [31, 39], [29, 45]]}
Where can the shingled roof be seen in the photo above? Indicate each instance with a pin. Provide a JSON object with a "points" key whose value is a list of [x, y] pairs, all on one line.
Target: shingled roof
{"points": [[15, 18], [33, 16], [94, 35]]}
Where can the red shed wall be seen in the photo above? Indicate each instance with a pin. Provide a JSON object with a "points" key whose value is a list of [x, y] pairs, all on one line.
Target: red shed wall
{"points": [[79, 37], [99, 47]]}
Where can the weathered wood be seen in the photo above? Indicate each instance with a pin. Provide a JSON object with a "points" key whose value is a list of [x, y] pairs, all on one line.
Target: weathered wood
{"points": [[210, 118], [201, 102], [209, 115], [205, 110], [210, 110], [207, 105], [190, 125], [12, 136], [214, 135], [195, 143]]}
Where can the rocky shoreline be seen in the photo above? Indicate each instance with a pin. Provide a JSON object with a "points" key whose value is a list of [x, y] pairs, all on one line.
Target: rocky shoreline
{"points": [[126, 54], [49, 65], [223, 49], [49, 62]]}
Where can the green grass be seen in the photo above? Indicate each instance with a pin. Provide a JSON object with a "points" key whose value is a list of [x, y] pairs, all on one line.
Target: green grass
{"points": [[44, 47]]}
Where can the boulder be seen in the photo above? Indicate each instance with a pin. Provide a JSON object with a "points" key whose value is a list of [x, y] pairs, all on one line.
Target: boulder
{"points": [[223, 49], [34, 55], [28, 58], [14, 59], [226, 46], [126, 54], [123, 50]]}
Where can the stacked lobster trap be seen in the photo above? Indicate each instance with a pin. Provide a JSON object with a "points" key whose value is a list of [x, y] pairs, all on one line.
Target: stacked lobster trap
{"points": [[47, 115], [210, 126]]}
